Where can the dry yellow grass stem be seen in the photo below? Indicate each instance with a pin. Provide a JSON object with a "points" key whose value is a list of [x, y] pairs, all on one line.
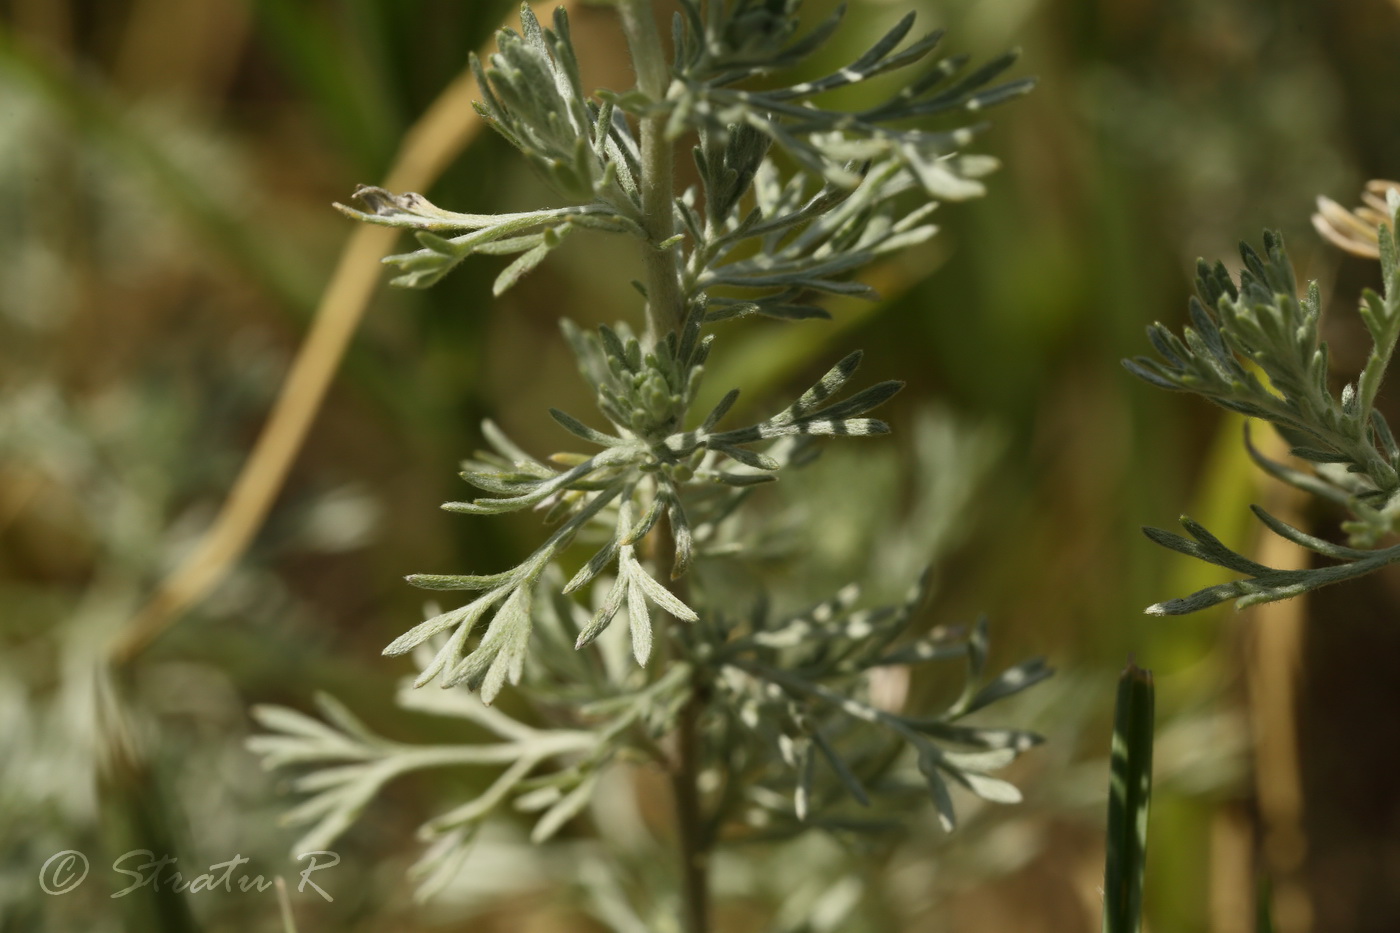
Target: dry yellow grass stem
{"points": [[1274, 661], [1233, 872], [429, 146]]}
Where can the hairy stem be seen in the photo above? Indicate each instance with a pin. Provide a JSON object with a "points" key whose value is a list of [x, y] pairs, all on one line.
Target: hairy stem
{"points": [[665, 306]]}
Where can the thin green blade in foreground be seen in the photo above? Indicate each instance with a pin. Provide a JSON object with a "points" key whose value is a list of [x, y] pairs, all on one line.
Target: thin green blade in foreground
{"points": [[1130, 794]]}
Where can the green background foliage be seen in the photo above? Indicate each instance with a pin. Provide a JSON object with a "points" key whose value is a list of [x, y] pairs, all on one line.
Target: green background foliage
{"points": [[166, 171]]}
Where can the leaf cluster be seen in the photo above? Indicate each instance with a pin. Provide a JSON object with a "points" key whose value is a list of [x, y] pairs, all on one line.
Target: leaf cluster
{"points": [[761, 240], [639, 476], [530, 236], [582, 147], [792, 705], [1254, 348], [757, 239], [533, 96], [722, 43], [797, 696], [795, 243], [550, 772]]}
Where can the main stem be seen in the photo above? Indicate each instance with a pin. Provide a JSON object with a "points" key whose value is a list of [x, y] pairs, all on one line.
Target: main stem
{"points": [[665, 307], [665, 311], [690, 820]]}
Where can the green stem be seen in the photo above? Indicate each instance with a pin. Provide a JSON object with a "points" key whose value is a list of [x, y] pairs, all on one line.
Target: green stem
{"points": [[665, 307]]}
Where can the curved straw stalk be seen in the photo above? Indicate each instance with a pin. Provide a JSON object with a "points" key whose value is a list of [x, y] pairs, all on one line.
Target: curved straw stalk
{"points": [[445, 129]]}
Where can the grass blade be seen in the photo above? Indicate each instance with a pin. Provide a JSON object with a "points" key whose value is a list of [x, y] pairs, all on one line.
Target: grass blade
{"points": [[1130, 793]]}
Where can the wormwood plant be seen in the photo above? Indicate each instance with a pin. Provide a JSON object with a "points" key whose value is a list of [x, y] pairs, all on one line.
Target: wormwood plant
{"points": [[764, 718], [1253, 347]]}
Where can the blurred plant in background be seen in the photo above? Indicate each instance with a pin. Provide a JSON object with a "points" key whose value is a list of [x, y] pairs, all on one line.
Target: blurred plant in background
{"points": [[1158, 132]]}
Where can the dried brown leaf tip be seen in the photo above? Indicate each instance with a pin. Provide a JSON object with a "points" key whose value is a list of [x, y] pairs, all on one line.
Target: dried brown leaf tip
{"points": [[1356, 231]]}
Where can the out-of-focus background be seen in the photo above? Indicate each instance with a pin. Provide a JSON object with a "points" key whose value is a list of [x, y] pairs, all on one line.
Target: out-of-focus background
{"points": [[166, 174]]}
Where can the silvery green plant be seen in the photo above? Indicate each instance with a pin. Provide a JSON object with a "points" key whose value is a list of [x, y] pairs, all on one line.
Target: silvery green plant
{"points": [[1253, 347], [766, 719]]}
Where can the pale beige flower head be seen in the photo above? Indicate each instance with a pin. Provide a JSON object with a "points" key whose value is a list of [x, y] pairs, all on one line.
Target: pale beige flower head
{"points": [[1358, 231]]}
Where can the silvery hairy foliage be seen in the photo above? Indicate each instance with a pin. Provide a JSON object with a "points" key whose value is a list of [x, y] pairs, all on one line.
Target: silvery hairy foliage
{"points": [[1253, 347], [769, 719]]}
